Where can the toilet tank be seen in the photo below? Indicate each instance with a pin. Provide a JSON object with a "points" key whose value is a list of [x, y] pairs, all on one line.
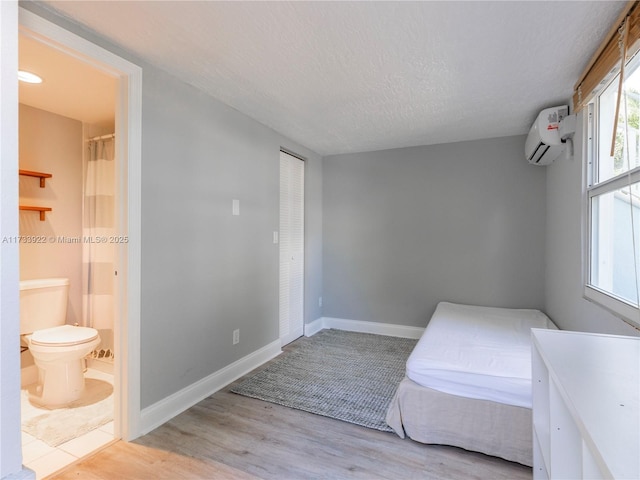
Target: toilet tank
{"points": [[43, 303]]}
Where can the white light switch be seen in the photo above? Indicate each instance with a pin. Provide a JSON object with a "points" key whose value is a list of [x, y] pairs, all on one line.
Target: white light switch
{"points": [[235, 207], [275, 237]]}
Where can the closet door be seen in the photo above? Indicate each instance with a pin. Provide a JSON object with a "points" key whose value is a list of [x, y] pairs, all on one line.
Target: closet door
{"points": [[291, 248]]}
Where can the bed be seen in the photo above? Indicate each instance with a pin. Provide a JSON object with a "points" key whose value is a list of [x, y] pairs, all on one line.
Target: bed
{"points": [[468, 381]]}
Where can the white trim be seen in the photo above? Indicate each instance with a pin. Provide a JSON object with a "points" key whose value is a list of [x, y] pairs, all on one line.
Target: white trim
{"points": [[10, 452], [625, 311], [389, 329], [129, 132], [616, 183], [628, 313], [314, 327], [585, 211], [69, 43], [167, 408], [291, 247]]}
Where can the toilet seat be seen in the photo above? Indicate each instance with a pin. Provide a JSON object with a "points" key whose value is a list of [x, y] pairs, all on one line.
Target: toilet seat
{"points": [[64, 336]]}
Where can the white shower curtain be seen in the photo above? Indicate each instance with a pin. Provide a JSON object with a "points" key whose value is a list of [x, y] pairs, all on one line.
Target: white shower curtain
{"points": [[98, 250]]}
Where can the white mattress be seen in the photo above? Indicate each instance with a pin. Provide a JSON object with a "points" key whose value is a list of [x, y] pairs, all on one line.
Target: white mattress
{"points": [[478, 352]]}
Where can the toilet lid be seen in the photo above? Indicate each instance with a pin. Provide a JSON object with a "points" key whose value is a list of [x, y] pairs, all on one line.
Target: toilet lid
{"points": [[64, 335]]}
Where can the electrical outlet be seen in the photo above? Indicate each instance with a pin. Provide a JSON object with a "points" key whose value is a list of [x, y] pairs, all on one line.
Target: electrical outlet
{"points": [[319, 301], [236, 336]]}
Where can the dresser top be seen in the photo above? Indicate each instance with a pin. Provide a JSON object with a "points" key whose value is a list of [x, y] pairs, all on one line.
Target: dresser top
{"points": [[599, 380]]}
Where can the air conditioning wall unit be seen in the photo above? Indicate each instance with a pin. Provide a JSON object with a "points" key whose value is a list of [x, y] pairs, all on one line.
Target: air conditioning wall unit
{"points": [[544, 143]]}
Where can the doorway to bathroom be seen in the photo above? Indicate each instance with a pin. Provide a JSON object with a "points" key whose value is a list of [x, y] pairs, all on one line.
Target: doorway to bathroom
{"points": [[84, 140], [59, 120]]}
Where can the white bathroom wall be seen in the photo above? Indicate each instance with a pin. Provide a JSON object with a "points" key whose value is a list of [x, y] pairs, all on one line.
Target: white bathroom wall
{"points": [[53, 144]]}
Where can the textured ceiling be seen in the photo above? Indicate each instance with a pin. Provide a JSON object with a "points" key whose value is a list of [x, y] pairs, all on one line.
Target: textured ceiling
{"points": [[357, 76]]}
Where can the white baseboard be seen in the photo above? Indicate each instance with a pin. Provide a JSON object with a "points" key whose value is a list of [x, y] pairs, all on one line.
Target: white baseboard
{"points": [[100, 365], [161, 412], [314, 327], [363, 327], [28, 375]]}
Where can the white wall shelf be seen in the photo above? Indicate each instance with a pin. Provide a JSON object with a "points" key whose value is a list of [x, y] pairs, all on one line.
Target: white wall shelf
{"points": [[586, 403]]}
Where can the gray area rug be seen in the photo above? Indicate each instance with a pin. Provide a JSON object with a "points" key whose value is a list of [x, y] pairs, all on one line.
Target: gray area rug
{"points": [[344, 375]]}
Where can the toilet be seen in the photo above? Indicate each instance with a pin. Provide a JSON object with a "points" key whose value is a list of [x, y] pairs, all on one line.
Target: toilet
{"points": [[58, 349]]}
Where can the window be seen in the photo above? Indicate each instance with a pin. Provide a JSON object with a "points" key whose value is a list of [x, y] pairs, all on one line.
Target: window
{"points": [[613, 197]]}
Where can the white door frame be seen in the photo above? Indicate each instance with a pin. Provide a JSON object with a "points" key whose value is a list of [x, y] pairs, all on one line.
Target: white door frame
{"points": [[10, 454], [129, 152]]}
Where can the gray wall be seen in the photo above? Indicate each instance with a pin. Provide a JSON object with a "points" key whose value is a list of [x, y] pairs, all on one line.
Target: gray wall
{"points": [[564, 254], [204, 271], [407, 228]]}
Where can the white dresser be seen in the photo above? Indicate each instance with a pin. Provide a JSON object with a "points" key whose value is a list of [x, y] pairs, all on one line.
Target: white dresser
{"points": [[586, 401]]}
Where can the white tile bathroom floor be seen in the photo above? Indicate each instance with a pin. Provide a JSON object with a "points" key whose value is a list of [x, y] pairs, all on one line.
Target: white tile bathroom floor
{"points": [[45, 460]]}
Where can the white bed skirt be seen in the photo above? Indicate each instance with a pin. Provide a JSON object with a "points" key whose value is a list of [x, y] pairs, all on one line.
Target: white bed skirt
{"points": [[428, 416]]}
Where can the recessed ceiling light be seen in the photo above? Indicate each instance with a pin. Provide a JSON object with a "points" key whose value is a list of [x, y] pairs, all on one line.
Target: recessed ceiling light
{"points": [[28, 77]]}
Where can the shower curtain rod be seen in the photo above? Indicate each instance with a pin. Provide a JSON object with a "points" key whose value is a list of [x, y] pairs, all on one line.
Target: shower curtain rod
{"points": [[102, 137]]}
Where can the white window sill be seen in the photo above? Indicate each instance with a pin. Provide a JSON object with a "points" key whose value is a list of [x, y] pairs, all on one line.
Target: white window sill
{"points": [[623, 310]]}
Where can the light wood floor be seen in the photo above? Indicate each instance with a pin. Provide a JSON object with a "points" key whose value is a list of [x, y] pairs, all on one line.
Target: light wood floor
{"points": [[228, 436]]}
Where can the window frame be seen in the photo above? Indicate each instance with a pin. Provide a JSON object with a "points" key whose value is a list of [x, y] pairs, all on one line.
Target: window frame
{"points": [[620, 307]]}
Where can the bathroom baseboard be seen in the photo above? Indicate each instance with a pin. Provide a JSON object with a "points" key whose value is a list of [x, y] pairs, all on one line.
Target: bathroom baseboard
{"points": [[100, 365], [28, 375], [161, 412]]}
